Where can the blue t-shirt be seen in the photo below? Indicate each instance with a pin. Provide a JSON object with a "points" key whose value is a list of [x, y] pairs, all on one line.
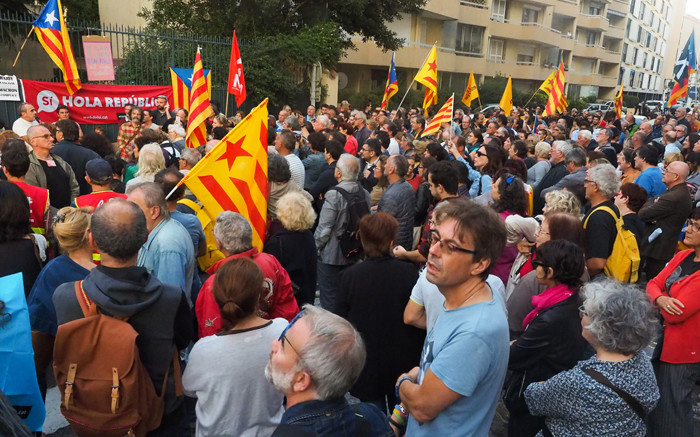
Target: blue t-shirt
{"points": [[467, 349], [60, 270], [650, 180]]}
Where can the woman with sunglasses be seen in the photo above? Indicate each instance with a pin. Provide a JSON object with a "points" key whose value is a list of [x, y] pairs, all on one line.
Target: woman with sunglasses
{"points": [[552, 340], [226, 372], [488, 160], [676, 294], [619, 324]]}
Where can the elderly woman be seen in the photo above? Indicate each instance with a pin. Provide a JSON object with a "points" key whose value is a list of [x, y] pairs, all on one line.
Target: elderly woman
{"points": [[551, 341], [372, 296], [151, 161], [228, 369], [294, 245], [536, 172], [618, 323], [676, 294]]}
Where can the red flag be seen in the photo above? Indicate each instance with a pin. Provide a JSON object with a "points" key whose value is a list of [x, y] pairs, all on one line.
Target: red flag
{"points": [[236, 81]]}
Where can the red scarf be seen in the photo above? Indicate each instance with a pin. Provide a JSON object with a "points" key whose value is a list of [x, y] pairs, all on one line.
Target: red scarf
{"points": [[546, 299]]}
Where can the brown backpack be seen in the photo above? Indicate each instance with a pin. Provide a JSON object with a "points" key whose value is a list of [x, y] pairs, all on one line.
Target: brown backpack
{"points": [[105, 389]]}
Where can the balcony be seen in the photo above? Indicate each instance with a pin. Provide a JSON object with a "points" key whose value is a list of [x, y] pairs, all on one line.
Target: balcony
{"points": [[577, 78], [617, 32], [597, 22], [471, 11], [611, 56], [567, 7], [622, 6], [530, 32], [518, 70], [588, 50], [442, 9]]}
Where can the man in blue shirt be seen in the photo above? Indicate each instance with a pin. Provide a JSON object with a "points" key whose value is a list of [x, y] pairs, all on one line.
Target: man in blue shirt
{"points": [[471, 332], [168, 253], [646, 159]]}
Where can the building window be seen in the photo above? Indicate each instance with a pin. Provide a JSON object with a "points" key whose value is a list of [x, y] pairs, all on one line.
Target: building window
{"points": [[499, 9], [530, 14], [595, 8], [526, 54], [496, 50], [591, 39], [469, 38]]}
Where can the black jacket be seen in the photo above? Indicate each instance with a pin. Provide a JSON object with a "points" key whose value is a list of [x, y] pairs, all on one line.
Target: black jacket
{"points": [[667, 211], [554, 175], [76, 156]]}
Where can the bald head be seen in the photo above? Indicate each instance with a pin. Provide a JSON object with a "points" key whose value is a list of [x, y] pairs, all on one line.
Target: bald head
{"points": [[118, 228], [645, 127], [679, 168]]}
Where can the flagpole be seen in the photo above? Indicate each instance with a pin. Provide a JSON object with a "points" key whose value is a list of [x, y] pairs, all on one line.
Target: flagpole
{"points": [[409, 86], [531, 97], [23, 44], [227, 94]]}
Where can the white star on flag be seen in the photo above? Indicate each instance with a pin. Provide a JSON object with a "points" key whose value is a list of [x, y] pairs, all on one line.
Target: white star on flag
{"points": [[51, 18]]}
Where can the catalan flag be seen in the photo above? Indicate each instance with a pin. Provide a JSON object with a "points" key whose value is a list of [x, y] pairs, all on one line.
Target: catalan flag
{"points": [[427, 75], [507, 99], [199, 107], [444, 115], [392, 85], [547, 84], [686, 65], [554, 102], [233, 176], [181, 79], [618, 103], [51, 31], [471, 92]]}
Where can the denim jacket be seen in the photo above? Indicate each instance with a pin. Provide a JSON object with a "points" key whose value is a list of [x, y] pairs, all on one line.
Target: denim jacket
{"points": [[334, 419]]}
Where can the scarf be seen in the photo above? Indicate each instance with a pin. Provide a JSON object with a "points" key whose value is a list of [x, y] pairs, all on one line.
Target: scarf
{"points": [[546, 299]]}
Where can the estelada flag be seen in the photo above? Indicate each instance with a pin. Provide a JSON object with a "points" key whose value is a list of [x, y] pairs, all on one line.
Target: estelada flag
{"points": [[200, 108], [618, 103], [53, 36], [547, 84], [233, 175], [686, 65], [427, 75], [554, 102], [471, 92], [181, 79], [444, 115], [236, 80], [507, 99], [392, 85]]}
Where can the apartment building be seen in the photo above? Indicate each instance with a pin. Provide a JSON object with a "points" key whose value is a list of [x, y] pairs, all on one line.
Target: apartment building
{"points": [[650, 40], [520, 38]]}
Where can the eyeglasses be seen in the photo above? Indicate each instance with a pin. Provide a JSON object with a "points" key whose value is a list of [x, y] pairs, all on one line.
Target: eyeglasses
{"points": [[689, 224], [582, 312], [283, 335], [668, 171], [45, 136], [540, 230], [537, 263], [480, 153], [448, 246], [588, 181]]}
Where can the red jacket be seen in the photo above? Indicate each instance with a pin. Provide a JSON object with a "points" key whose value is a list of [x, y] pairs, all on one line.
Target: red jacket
{"points": [[279, 295], [682, 333], [38, 206]]}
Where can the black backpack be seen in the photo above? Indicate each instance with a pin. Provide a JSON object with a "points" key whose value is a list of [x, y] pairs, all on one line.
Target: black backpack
{"points": [[350, 244]]}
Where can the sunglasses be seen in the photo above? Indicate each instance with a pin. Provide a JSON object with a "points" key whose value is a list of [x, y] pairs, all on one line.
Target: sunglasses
{"points": [[480, 153], [283, 335], [536, 263]]}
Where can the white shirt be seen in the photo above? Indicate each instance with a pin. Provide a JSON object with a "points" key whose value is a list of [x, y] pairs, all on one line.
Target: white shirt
{"points": [[393, 148], [20, 126], [297, 169]]}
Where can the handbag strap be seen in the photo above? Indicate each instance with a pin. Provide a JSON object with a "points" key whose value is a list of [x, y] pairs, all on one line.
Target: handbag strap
{"points": [[632, 402]]}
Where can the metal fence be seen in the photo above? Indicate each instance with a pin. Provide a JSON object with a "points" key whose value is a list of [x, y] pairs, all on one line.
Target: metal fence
{"points": [[141, 57]]}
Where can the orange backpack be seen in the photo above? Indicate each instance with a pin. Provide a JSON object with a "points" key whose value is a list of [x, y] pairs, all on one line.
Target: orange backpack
{"points": [[105, 389]]}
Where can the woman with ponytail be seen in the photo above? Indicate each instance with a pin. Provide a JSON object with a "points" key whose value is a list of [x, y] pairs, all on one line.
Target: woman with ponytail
{"points": [[226, 372]]}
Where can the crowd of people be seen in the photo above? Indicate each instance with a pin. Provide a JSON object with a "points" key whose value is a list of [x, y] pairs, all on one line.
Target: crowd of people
{"points": [[409, 283]]}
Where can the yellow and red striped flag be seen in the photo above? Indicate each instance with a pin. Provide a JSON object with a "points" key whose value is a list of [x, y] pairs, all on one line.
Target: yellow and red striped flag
{"points": [[618, 103], [392, 85], [181, 79], [471, 92], [53, 36], [427, 75], [199, 106], [563, 104], [444, 115], [557, 93], [547, 84], [233, 175]]}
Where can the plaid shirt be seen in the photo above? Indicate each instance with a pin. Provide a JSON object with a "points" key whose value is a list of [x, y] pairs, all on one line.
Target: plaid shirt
{"points": [[127, 133]]}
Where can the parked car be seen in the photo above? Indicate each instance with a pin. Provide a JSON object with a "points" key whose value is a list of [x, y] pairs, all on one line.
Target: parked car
{"points": [[655, 105]]}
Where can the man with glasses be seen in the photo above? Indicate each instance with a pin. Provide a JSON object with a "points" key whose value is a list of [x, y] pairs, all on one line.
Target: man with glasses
{"points": [[465, 355], [667, 212], [27, 119], [50, 171], [314, 362], [370, 152]]}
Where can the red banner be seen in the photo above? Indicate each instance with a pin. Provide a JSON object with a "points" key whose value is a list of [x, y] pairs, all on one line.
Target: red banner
{"points": [[92, 104]]}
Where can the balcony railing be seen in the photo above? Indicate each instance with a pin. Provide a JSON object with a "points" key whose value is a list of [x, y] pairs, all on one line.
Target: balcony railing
{"points": [[525, 23], [573, 2], [594, 16], [481, 4]]}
